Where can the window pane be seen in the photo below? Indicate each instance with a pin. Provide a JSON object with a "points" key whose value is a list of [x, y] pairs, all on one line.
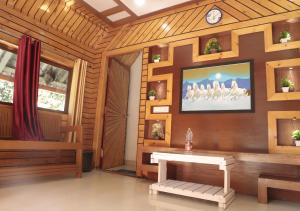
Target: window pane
{"points": [[7, 72], [53, 87]]}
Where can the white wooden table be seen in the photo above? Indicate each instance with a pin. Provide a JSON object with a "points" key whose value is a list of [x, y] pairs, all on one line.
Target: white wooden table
{"points": [[223, 195]]}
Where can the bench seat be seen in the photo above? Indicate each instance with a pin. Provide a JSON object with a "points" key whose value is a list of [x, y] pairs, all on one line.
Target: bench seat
{"points": [[265, 182]]}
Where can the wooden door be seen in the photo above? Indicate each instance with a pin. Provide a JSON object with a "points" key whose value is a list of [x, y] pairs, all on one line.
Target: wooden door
{"points": [[115, 117]]}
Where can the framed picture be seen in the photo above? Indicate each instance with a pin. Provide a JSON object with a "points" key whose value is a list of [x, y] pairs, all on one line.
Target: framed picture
{"points": [[226, 87]]}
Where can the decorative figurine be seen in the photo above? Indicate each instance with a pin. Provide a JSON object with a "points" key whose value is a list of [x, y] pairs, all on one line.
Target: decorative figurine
{"points": [[189, 140]]}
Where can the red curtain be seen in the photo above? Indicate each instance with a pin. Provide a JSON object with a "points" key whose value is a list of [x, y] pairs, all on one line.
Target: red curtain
{"points": [[26, 125]]}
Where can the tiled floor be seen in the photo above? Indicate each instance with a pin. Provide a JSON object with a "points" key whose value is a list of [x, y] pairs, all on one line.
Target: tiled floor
{"points": [[100, 191]]}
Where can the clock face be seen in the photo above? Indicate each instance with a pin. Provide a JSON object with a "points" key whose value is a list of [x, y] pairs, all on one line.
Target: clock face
{"points": [[214, 16]]}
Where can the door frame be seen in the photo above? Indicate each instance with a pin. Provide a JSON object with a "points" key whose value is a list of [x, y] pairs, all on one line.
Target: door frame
{"points": [[101, 100]]}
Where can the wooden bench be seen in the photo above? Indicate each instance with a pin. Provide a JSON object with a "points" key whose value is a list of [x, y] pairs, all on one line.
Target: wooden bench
{"points": [[265, 182], [43, 170]]}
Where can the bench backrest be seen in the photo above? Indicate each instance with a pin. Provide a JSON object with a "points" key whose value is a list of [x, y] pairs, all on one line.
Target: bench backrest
{"points": [[51, 123]]}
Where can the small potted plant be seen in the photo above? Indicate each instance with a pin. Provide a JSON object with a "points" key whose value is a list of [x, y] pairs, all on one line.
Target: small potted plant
{"points": [[152, 94], [285, 37], [156, 58], [296, 137], [285, 85], [212, 46]]}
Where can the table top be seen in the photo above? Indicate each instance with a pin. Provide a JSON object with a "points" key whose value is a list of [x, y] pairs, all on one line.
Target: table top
{"points": [[193, 157]]}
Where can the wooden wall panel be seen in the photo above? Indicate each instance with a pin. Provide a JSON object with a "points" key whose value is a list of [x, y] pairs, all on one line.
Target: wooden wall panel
{"points": [[64, 35]]}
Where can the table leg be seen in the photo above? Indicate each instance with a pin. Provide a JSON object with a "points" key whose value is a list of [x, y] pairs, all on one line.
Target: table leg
{"points": [[162, 170], [226, 181]]}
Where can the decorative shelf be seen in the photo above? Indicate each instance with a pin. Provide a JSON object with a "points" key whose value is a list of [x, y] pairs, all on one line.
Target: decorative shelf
{"points": [[149, 126], [162, 51], [282, 69], [160, 87], [281, 124], [228, 42], [274, 32]]}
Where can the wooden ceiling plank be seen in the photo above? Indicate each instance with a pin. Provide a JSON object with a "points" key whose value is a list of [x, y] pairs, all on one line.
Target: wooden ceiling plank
{"points": [[107, 37], [19, 4], [96, 32], [196, 17], [94, 39], [27, 6], [242, 8], [35, 7], [171, 25], [58, 10], [66, 20], [70, 24], [156, 24], [161, 29], [179, 22], [90, 31], [271, 6], [53, 7], [132, 33], [75, 26], [40, 12], [84, 30], [232, 11], [288, 5], [297, 2], [36, 28], [11, 3], [186, 21], [149, 29], [61, 17], [80, 27], [141, 32], [258, 8]]}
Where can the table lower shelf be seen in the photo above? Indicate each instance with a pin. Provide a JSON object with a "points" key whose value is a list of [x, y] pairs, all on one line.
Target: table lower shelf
{"points": [[200, 191]]}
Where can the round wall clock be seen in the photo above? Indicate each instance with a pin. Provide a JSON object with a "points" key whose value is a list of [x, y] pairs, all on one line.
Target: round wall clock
{"points": [[214, 16]]}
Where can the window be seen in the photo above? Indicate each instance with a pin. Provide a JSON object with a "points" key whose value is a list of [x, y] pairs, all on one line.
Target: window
{"points": [[53, 83], [7, 73], [53, 87]]}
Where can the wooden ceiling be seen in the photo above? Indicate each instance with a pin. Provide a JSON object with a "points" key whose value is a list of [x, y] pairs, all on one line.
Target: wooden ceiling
{"points": [[123, 8], [70, 17], [189, 21]]}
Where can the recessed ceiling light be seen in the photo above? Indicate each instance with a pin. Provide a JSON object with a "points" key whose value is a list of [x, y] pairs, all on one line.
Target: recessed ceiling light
{"points": [[291, 68], [165, 26], [139, 2], [45, 7]]}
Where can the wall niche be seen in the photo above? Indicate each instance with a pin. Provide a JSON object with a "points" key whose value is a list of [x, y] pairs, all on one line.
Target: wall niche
{"points": [[162, 50]]}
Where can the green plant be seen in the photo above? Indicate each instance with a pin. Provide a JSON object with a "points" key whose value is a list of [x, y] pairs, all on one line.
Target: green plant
{"points": [[296, 135], [152, 92], [285, 35], [156, 57], [212, 44], [286, 83]]}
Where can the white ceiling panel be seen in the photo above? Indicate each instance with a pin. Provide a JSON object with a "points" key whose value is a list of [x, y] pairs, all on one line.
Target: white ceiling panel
{"points": [[102, 5], [143, 7], [118, 16]]}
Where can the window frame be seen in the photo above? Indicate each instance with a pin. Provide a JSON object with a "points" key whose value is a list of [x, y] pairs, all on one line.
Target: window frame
{"points": [[68, 91], [12, 50], [69, 85]]}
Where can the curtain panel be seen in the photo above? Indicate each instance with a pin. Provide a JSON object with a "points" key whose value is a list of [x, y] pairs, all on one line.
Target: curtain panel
{"points": [[26, 125]]}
